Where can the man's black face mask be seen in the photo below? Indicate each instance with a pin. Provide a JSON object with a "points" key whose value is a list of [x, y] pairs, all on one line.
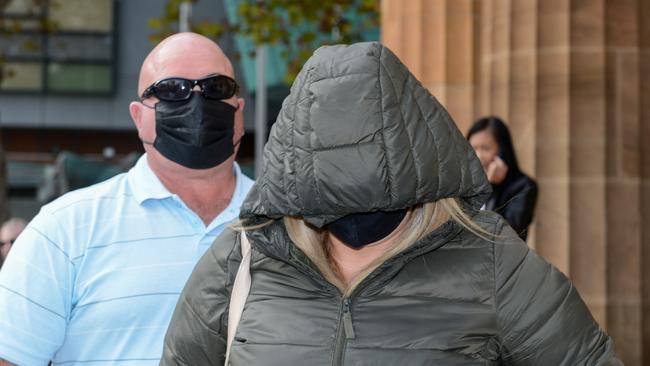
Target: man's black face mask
{"points": [[196, 133], [361, 229]]}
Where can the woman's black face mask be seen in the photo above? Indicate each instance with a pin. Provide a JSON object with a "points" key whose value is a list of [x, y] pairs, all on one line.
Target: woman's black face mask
{"points": [[361, 229], [196, 133]]}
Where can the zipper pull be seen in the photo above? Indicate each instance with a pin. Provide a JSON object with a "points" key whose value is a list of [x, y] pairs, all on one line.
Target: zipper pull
{"points": [[347, 320]]}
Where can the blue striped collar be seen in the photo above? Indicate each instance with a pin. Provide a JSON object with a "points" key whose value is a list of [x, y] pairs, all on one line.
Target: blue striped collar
{"points": [[144, 183]]}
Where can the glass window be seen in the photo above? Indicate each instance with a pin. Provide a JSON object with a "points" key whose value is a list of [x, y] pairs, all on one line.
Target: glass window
{"points": [[78, 78], [82, 15], [20, 7], [86, 47], [57, 46], [23, 76], [21, 46]]}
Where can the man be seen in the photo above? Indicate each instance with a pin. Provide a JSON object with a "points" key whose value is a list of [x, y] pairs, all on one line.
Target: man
{"points": [[94, 278], [8, 234]]}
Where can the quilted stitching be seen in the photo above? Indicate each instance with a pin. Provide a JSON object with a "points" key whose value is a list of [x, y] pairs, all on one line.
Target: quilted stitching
{"points": [[294, 136]]}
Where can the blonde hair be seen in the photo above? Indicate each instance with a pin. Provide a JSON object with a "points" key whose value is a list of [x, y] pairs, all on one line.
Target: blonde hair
{"points": [[420, 221]]}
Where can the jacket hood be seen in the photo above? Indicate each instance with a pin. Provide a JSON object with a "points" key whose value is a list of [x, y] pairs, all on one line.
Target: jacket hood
{"points": [[359, 133]]}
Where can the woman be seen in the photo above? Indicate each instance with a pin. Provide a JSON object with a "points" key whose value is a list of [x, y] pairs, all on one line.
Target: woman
{"points": [[369, 247], [514, 194]]}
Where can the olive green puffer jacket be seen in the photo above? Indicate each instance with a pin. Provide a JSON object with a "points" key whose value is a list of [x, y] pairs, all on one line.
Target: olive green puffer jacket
{"points": [[359, 133]]}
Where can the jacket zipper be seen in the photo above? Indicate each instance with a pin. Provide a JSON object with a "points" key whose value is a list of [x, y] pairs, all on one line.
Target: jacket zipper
{"points": [[345, 332]]}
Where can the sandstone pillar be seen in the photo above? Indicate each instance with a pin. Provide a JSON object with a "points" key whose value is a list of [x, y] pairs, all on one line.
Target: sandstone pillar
{"points": [[572, 79]]}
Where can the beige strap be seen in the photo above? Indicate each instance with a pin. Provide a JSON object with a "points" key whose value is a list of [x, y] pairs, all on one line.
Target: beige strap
{"points": [[240, 289]]}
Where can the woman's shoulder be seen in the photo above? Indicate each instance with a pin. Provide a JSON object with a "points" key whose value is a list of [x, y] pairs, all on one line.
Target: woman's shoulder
{"points": [[206, 294], [508, 249], [219, 263], [490, 223], [494, 234], [516, 186], [223, 246], [524, 181]]}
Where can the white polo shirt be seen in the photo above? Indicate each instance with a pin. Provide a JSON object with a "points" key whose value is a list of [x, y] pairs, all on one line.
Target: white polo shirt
{"points": [[95, 277]]}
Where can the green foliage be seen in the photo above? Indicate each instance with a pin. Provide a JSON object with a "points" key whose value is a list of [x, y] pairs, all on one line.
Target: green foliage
{"points": [[300, 26], [168, 23]]}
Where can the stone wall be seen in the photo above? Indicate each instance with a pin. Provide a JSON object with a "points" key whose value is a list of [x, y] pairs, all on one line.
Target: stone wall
{"points": [[572, 79]]}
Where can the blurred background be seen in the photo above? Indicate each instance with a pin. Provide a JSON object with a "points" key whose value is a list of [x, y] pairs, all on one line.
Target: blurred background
{"points": [[570, 77]]}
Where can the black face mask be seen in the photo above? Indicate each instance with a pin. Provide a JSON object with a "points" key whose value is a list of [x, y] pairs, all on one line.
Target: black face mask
{"points": [[195, 133], [359, 230]]}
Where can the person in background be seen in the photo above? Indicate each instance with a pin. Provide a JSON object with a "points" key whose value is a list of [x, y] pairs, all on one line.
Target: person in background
{"points": [[4, 202], [8, 234], [95, 276], [368, 245], [514, 194]]}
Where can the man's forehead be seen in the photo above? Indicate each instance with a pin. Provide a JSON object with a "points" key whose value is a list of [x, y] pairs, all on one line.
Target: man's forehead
{"points": [[193, 60], [191, 67], [191, 74]]}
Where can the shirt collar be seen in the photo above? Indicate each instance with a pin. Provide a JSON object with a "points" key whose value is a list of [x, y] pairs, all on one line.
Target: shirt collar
{"points": [[146, 185]]}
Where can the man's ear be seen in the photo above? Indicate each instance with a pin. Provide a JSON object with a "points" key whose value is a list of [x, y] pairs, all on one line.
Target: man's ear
{"points": [[239, 119], [146, 133], [238, 132], [135, 109]]}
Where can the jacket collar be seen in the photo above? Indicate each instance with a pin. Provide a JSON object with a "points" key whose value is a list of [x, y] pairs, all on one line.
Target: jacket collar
{"points": [[274, 241], [146, 186]]}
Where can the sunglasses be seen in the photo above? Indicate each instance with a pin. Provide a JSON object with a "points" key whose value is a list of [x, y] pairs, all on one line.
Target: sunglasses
{"points": [[178, 89]]}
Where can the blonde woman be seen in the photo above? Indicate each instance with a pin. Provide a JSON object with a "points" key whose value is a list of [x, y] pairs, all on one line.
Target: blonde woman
{"points": [[368, 246]]}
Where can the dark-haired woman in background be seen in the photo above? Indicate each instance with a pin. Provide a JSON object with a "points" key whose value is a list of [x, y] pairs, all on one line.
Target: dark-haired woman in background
{"points": [[514, 194]]}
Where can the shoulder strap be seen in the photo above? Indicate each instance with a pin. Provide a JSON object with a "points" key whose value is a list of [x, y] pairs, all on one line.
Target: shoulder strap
{"points": [[240, 289]]}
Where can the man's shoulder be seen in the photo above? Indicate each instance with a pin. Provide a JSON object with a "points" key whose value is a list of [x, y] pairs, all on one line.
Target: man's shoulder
{"points": [[111, 190], [72, 220]]}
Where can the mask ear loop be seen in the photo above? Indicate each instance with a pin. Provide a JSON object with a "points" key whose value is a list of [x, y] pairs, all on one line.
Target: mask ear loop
{"points": [[237, 143], [150, 107], [146, 105]]}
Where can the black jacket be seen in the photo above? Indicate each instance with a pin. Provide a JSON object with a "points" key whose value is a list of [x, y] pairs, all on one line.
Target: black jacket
{"points": [[515, 199]]}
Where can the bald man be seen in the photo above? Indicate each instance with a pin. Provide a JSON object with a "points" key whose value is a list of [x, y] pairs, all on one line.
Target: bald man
{"points": [[94, 278]]}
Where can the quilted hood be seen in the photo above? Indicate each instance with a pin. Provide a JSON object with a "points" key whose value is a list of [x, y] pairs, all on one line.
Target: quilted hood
{"points": [[359, 133]]}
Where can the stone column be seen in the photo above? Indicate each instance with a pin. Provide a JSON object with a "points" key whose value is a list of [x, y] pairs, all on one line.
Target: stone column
{"points": [[436, 39], [587, 144], [623, 177], [644, 135], [572, 79], [552, 106]]}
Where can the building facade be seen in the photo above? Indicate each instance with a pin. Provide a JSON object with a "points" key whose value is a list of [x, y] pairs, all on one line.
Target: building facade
{"points": [[572, 79], [69, 89]]}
